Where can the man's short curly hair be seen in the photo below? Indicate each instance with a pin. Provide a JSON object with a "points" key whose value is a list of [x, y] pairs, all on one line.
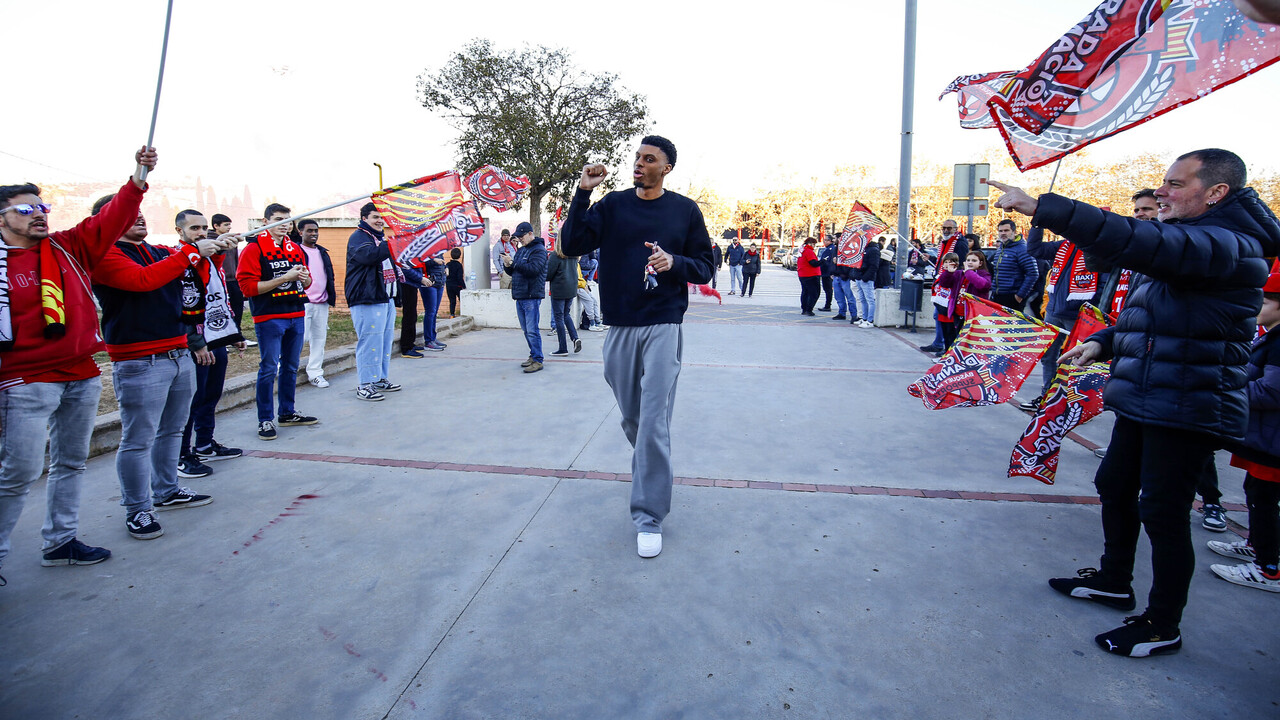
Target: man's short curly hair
{"points": [[662, 144]]}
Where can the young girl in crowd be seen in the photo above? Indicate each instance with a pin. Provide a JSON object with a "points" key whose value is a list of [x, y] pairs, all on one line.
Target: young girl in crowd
{"points": [[454, 285], [1256, 456], [951, 282]]}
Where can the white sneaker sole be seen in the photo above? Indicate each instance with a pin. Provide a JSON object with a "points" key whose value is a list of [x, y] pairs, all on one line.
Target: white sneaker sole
{"points": [[1235, 576], [648, 545]]}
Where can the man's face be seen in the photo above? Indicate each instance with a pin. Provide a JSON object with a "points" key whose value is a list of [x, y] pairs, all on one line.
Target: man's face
{"points": [[138, 231], [32, 228], [222, 228], [651, 166], [949, 228], [310, 234], [193, 229], [1182, 195], [374, 219], [280, 230], [828, 242], [1005, 232], [1145, 208]]}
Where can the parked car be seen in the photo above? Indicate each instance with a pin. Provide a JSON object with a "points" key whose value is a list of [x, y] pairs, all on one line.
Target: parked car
{"points": [[791, 258]]}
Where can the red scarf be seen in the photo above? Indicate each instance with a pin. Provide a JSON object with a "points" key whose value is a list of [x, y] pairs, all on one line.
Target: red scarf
{"points": [[1122, 290], [1082, 284], [949, 245]]}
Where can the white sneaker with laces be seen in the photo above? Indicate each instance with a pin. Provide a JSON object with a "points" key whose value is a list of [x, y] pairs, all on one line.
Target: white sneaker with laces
{"points": [[648, 544], [319, 381], [1246, 574]]}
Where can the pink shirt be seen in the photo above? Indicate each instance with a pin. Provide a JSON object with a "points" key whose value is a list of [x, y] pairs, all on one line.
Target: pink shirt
{"points": [[319, 281]]}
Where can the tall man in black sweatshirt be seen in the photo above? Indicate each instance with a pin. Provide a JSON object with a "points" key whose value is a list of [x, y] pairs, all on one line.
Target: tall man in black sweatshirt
{"points": [[652, 243]]}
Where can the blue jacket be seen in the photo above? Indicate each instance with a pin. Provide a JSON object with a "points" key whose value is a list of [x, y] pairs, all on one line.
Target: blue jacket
{"points": [[1180, 348], [1013, 270], [529, 271], [1262, 438], [366, 249], [589, 263], [734, 254], [828, 258]]}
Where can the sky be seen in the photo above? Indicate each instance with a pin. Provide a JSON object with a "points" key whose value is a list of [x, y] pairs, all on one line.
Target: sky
{"points": [[298, 99]]}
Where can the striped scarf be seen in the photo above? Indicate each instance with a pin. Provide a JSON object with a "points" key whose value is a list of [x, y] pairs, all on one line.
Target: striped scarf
{"points": [[52, 299]]}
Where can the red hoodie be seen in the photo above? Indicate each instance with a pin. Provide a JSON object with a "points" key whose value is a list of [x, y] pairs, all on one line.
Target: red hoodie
{"points": [[78, 250], [809, 265]]}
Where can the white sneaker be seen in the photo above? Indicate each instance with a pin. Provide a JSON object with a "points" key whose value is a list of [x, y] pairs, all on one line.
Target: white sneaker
{"points": [[866, 324], [1239, 550], [648, 544], [1248, 575], [319, 381]]}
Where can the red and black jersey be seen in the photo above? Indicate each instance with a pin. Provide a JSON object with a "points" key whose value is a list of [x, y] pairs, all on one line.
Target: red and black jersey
{"points": [[263, 260]]}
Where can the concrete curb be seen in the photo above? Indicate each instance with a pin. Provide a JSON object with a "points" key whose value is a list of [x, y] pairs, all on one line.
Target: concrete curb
{"points": [[241, 390]]}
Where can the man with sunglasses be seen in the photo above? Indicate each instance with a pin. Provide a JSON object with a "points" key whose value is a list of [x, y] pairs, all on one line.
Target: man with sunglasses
{"points": [[49, 384]]}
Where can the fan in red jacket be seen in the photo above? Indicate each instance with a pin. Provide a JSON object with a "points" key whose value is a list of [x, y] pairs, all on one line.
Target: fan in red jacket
{"points": [[48, 379], [146, 323], [809, 268]]}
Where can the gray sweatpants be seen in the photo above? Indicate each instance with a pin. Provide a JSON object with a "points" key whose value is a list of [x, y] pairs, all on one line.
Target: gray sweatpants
{"points": [[642, 365]]}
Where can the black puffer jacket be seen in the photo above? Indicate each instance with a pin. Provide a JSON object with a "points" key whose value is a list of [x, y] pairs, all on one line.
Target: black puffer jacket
{"points": [[529, 271], [1181, 344]]}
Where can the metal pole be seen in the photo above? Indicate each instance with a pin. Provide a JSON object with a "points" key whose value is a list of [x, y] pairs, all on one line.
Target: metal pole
{"points": [[292, 218], [908, 111], [1056, 168], [973, 191], [141, 172], [379, 165]]}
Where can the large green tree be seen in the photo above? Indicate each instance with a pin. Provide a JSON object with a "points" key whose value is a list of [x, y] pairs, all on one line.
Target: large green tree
{"points": [[531, 111]]}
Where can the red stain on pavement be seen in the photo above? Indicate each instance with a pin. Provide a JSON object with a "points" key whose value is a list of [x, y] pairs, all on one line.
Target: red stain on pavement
{"points": [[291, 511]]}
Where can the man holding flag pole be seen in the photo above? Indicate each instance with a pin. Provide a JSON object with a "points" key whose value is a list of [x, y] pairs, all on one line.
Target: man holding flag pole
{"points": [[1179, 352]]}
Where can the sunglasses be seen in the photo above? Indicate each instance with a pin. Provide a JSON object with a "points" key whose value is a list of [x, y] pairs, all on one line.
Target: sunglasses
{"points": [[26, 209]]}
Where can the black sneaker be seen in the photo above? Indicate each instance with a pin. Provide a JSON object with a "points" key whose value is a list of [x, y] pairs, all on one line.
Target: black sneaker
{"points": [[1215, 518], [183, 498], [189, 466], [1139, 637], [413, 354], [1091, 585], [385, 385], [560, 352], [1031, 406], [142, 525], [215, 451], [266, 430], [294, 418], [926, 348], [74, 552], [841, 316]]}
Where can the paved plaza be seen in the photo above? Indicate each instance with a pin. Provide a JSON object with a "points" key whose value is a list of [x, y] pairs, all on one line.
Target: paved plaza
{"points": [[464, 550]]}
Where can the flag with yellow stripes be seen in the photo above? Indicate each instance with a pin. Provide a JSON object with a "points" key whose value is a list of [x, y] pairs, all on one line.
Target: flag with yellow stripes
{"points": [[428, 216]]}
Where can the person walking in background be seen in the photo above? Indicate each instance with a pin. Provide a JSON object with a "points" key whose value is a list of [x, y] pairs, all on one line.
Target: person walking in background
{"points": [[562, 277], [371, 287], [749, 270], [717, 259], [528, 270], [734, 255], [320, 297], [586, 297], [809, 269], [454, 282]]}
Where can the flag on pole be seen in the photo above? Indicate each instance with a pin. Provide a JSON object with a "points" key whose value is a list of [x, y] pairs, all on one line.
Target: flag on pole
{"points": [[861, 226], [1089, 321], [1074, 398], [988, 362], [1127, 62], [497, 188], [428, 216]]}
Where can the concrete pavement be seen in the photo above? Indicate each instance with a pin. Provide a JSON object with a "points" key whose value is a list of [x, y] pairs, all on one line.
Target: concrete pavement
{"points": [[463, 550]]}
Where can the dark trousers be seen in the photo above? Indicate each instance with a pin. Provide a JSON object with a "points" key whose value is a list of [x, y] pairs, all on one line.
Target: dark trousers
{"points": [[826, 288], [1263, 499], [236, 299], [1147, 481], [748, 284], [209, 381], [408, 317], [949, 332], [561, 308], [809, 291], [454, 291], [1207, 487], [1009, 300]]}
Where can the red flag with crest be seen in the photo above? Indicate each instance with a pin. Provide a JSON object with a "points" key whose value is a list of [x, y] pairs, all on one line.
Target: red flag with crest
{"points": [[860, 228], [428, 216], [497, 188], [1127, 62], [988, 362]]}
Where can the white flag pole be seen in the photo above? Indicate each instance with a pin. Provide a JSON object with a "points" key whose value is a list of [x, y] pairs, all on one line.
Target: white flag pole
{"points": [[141, 172]]}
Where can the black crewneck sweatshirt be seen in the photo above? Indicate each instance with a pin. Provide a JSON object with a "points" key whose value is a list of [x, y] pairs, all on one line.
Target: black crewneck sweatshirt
{"points": [[619, 226]]}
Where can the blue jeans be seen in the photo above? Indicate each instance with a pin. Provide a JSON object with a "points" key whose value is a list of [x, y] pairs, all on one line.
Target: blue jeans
{"points": [[527, 311], [209, 382], [155, 400], [61, 413], [430, 307], [562, 316], [279, 346], [867, 300], [844, 296], [735, 278], [375, 328]]}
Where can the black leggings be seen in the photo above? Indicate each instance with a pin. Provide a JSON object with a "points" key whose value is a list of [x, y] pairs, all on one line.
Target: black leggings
{"points": [[1263, 499], [453, 291], [748, 284]]}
